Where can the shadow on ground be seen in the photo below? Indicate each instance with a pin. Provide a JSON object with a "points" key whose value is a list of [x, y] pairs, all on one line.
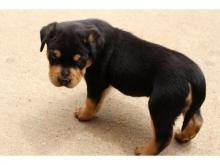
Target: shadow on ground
{"points": [[55, 129]]}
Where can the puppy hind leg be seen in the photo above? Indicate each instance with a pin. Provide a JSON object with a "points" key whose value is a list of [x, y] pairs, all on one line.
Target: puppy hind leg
{"points": [[164, 105], [162, 124], [161, 138]]}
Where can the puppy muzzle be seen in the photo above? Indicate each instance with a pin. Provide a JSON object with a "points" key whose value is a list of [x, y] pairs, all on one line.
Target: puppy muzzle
{"points": [[64, 82]]}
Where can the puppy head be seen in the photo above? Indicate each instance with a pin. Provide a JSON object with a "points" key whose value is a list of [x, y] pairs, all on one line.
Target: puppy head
{"points": [[71, 49]]}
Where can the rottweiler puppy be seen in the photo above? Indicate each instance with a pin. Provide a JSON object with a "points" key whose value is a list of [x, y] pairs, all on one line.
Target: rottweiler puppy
{"points": [[108, 56]]}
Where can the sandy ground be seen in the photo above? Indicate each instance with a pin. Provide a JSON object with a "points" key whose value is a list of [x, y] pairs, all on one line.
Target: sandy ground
{"points": [[36, 118]]}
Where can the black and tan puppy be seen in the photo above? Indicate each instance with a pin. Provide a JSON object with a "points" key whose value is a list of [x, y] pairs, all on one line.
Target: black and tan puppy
{"points": [[107, 56]]}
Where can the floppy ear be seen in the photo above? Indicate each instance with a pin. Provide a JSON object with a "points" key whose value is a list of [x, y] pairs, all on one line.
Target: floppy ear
{"points": [[95, 39], [45, 33]]}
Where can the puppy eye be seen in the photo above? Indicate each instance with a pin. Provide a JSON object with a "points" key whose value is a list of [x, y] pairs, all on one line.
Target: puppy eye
{"points": [[53, 56]]}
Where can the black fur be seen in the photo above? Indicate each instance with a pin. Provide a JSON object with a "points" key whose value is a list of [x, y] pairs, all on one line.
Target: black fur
{"points": [[133, 66]]}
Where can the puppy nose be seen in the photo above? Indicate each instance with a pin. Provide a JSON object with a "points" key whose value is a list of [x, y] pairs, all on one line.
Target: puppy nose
{"points": [[64, 81], [65, 72]]}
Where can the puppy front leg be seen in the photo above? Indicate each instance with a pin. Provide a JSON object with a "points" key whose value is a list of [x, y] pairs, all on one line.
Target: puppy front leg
{"points": [[92, 104]]}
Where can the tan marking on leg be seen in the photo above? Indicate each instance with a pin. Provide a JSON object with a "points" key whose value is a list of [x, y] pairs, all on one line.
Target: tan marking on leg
{"points": [[188, 101], [91, 107], [191, 129], [194, 124], [151, 148], [103, 96], [87, 111]]}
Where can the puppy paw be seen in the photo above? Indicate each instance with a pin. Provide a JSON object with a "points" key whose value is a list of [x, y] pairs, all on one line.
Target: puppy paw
{"points": [[177, 136], [140, 151], [82, 115], [180, 138]]}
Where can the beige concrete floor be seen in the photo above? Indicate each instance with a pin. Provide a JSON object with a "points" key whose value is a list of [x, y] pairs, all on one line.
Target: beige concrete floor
{"points": [[36, 118]]}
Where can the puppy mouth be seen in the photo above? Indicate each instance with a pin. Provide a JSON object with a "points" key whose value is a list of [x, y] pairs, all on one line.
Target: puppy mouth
{"points": [[64, 82]]}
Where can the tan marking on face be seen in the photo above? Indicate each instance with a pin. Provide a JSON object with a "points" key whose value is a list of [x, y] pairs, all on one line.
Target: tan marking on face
{"points": [[75, 74], [91, 107], [191, 129], [76, 57], [54, 73], [188, 101], [57, 53], [88, 63]]}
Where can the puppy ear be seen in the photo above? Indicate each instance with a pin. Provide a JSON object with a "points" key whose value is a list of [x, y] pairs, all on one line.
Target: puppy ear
{"points": [[45, 33], [95, 39]]}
